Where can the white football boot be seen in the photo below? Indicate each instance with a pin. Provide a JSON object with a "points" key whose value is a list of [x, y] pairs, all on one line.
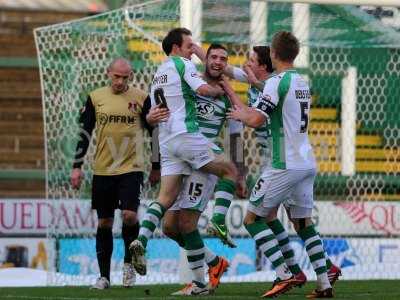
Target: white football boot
{"points": [[191, 289], [102, 283], [138, 257], [128, 275]]}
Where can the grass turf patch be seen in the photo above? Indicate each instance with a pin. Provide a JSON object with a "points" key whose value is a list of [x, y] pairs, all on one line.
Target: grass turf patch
{"points": [[365, 290]]}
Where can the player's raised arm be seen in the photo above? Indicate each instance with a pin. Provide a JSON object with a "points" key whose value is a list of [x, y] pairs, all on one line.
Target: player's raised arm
{"points": [[256, 70], [208, 90], [199, 52], [266, 103], [252, 78], [233, 97], [244, 74], [197, 84], [248, 115]]}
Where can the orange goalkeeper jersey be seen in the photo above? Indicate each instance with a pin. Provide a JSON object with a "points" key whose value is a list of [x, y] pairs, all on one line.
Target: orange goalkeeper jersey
{"points": [[119, 131]]}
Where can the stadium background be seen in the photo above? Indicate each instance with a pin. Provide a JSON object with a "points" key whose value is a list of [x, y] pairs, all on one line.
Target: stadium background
{"points": [[357, 213]]}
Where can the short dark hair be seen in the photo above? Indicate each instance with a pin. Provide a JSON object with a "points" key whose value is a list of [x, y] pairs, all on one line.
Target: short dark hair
{"points": [[215, 46], [285, 45], [263, 57], [174, 37]]}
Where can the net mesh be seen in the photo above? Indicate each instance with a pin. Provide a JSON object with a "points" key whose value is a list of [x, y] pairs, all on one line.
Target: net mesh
{"points": [[73, 58]]}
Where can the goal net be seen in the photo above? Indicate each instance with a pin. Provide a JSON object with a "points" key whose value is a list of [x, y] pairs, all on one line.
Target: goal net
{"points": [[351, 61]]}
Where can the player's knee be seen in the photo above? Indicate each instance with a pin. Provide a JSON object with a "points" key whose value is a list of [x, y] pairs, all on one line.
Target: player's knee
{"points": [[290, 217], [186, 225], [167, 197], [170, 224], [248, 222], [234, 171], [250, 219], [105, 223], [129, 217], [272, 214], [258, 218], [169, 230], [301, 223], [230, 171]]}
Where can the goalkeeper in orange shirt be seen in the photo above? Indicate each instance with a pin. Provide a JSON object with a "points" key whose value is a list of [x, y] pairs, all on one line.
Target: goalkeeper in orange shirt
{"points": [[118, 112]]}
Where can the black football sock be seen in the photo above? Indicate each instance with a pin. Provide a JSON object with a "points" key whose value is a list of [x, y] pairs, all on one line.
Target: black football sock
{"points": [[104, 248], [129, 234]]}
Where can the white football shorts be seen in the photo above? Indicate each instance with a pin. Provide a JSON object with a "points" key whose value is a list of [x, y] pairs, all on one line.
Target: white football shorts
{"points": [[185, 152], [197, 190], [294, 188]]}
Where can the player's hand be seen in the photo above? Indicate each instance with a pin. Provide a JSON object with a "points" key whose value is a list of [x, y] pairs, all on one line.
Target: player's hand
{"points": [[252, 79], [219, 90], [157, 115], [236, 113], [224, 83], [199, 52], [76, 178], [154, 177], [241, 188]]}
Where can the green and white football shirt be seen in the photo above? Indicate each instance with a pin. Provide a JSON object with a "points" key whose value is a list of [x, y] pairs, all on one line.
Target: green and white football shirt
{"points": [[262, 133], [286, 101], [175, 83], [211, 114]]}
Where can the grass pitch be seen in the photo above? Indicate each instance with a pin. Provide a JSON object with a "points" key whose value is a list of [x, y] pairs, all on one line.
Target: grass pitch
{"points": [[365, 290]]}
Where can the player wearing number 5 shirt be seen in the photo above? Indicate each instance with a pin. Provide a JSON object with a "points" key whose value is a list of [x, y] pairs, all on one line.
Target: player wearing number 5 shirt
{"points": [[285, 100]]}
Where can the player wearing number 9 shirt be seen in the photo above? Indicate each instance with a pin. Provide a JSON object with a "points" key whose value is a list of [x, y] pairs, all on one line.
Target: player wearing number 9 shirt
{"points": [[182, 146]]}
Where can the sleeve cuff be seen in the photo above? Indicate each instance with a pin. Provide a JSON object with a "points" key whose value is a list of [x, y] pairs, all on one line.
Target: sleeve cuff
{"points": [[239, 74], [155, 165], [261, 111], [77, 165]]}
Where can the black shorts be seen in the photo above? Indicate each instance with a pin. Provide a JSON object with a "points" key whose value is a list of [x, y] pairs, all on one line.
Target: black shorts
{"points": [[116, 191]]}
